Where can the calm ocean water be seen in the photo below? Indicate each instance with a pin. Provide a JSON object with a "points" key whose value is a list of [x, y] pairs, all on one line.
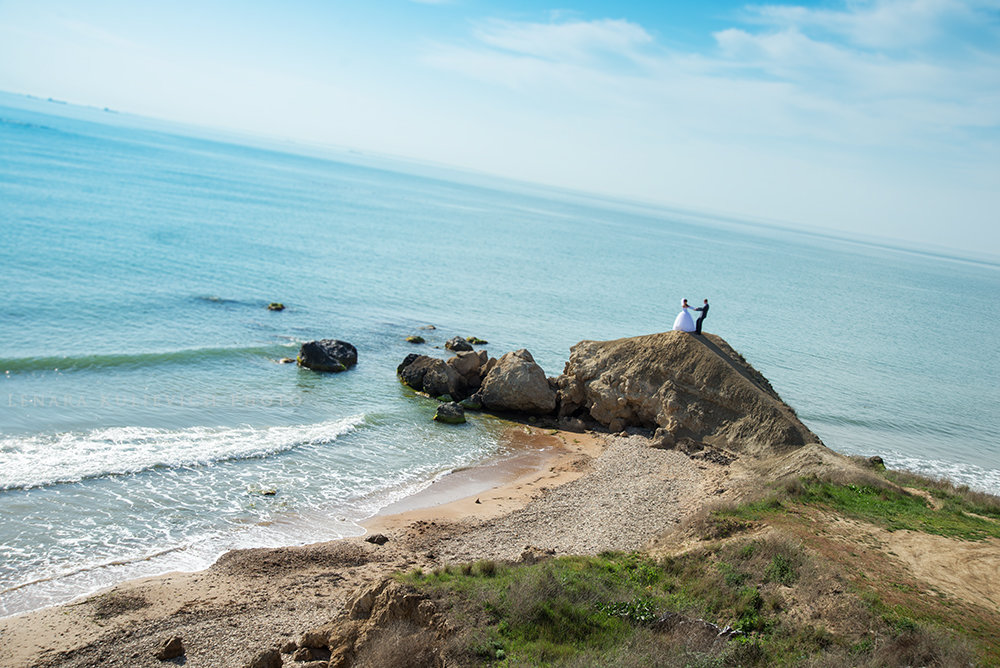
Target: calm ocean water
{"points": [[142, 411]]}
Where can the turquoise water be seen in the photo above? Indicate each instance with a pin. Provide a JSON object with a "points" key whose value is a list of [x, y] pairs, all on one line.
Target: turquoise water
{"points": [[142, 410]]}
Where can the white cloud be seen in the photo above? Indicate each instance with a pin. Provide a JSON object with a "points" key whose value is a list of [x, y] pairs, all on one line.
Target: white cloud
{"points": [[572, 41], [792, 109], [885, 24], [808, 85]]}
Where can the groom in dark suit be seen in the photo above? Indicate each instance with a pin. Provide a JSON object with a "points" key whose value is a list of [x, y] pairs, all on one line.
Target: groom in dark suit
{"points": [[704, 312]]}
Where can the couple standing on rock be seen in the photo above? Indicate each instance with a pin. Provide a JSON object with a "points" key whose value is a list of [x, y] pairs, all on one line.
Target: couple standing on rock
{"points": [[685, 323]]}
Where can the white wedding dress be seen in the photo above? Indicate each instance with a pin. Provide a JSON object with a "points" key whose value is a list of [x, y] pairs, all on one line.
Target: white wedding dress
{"points": [[684, 322]]}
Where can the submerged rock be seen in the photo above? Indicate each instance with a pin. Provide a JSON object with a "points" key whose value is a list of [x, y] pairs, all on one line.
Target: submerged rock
{"points": [[275, 306], [327, 355], [415, 339], [695, 388], [516, 383], [471, 404], [450, 413]]}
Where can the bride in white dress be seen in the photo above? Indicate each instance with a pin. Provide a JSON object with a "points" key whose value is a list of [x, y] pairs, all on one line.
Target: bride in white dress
{"points": [[684, 322]]}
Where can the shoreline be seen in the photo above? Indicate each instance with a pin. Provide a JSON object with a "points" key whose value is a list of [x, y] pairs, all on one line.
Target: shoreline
{"points": [[536, 460], [499, 485], [558, 494], [521, 448]]}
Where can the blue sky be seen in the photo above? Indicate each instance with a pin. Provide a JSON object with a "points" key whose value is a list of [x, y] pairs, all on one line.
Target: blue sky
{"points": [[877, 117]]}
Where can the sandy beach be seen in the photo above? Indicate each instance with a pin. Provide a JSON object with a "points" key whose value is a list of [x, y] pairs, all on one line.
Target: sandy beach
{"points": [[562, 492], [555, 493]]}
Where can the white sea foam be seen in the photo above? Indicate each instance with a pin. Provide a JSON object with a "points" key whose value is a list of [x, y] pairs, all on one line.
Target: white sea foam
{"points": [[46, 459]]}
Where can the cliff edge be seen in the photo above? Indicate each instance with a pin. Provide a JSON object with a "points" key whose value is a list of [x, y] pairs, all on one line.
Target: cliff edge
{"points": [[687, 387]]}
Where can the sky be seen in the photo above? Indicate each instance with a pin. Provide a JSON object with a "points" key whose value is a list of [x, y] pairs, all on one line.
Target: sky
{"points": [[865, 117]]}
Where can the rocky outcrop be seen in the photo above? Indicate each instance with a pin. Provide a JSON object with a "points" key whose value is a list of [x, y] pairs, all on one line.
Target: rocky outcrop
{"points": [[517, 383], [388, 624], [327, 355], [457, 376], [689, 391], [684, 387]]}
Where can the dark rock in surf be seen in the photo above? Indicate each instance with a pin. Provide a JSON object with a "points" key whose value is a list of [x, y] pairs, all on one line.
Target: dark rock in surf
{"points": [[275, 306], [431, 375], [457, 344], [328, 355], [450, 413]]}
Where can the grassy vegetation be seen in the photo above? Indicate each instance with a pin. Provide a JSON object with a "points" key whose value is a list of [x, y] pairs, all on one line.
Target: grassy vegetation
{"points": [[630, 610], [813, 597], [809, 508], [960, 514]]}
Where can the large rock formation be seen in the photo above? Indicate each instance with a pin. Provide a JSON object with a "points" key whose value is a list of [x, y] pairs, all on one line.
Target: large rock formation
{"points": [[693, 387], [517, 383]]}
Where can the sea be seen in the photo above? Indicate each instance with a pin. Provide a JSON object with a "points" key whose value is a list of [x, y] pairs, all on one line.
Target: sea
{"points": [[146, 424]]}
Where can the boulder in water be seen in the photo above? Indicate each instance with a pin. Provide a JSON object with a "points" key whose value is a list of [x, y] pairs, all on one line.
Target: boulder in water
{"points": [[450, 413], [457, 343], [275, 306], [327, 355], [431, 375]]}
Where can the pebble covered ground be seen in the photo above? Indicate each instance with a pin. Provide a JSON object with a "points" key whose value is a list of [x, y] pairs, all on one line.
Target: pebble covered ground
{"points": [[632, 494]]}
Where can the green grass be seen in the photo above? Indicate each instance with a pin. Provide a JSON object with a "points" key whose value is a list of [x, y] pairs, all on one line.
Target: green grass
{"points": [[965, 517], [610, 610]]}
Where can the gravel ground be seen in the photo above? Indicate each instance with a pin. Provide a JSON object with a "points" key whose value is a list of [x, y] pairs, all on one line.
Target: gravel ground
{"points": [[633, 494]]}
